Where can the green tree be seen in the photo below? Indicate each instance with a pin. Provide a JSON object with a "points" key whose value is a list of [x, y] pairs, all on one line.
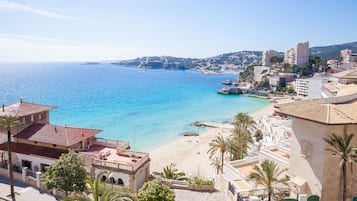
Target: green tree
{"points": [[268, 175], [243, 120], [7, 122], [258, 135], [98, 191], [241, 137], [170, 172], [341, 147], [218, 147], [239, 143], [154, 191], [276, 59], [66, 174]]}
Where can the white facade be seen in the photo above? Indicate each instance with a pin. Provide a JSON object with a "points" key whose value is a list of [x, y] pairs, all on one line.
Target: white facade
{"points": [[301, 87], [289, 56], [267, 55], [259, 72]]}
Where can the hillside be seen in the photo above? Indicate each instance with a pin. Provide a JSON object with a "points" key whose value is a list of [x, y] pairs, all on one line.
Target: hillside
{"points": [[333, 51], [229, 62], [225, 63]]}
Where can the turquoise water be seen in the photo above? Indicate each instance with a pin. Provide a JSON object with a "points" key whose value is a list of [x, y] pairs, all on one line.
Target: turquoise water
{"points": [[147, 108]]}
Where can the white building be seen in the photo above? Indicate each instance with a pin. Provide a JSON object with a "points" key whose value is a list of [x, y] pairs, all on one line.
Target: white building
{"points": [[302, 53], [310, 87], [301, 87], [267, 55], [289, 56], [260, 72]]}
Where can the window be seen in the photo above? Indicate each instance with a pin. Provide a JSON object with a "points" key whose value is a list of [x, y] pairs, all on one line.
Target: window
{"points": [[23, 120], [120, 182], [40, 116], [26, 163], [112, 180], [103, 179], [32, 118], [43, 167]]}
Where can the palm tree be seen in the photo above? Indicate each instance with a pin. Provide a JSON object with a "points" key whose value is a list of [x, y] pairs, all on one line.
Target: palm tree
{"points": [[239, 143], [216, 164], [241, 137], [171, 173], [267, 174], [243, 120], [220, 146], [100, 192], [340, 147], [7, 122]]}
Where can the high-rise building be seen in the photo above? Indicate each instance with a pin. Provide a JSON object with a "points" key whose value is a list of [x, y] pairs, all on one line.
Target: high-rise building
{"points": [[267, 55], [298, 55], [289, 56]]}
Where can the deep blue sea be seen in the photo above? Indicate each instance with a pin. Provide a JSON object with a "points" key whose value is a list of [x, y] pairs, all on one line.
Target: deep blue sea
{"points": [[145, 107]]}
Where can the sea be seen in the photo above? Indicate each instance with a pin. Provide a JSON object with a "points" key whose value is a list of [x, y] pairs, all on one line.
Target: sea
{"points": [[148, 108]]}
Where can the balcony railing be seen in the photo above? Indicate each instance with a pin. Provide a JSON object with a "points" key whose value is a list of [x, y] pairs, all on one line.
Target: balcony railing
{"points": [[120, 165], [112, 143]]}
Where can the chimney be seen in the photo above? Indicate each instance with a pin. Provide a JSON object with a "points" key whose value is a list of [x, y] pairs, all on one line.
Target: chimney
{"points": [[20, 100], [55, 129], [3, 107]]}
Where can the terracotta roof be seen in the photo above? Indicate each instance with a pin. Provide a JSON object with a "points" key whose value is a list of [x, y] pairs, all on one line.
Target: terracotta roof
{"points": [[21, 109], [53, 134], [347, 74], [29, 149], [320, 110]]}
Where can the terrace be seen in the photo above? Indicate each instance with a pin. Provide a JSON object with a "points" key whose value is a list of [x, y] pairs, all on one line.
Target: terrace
{"points": [[114, 158]]}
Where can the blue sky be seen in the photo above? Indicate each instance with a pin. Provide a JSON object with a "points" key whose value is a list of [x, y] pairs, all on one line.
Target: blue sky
{"points": [[88, 30]]}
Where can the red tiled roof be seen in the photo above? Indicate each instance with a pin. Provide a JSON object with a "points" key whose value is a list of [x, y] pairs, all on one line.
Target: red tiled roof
{"points": [[29, 149], [53, 134], [21, 109]]}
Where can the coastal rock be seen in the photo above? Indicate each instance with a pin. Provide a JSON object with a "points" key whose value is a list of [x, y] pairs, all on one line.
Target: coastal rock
{"points": [[227, 82], [189, 134], [230, 91]]}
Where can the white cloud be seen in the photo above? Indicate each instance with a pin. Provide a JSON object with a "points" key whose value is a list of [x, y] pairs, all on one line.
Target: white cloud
{"points": [[29, 9], [22, 48]]}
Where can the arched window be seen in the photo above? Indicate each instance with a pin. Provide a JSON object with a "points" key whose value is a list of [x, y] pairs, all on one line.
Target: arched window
{"points": [[103, 178], [120, 182], [112, 180]]}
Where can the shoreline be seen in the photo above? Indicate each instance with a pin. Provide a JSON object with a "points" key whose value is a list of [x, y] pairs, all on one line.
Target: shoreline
{"points": [[189, 154]]}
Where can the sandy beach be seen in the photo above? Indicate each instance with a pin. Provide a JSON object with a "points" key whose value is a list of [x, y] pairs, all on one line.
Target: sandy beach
{"points": [[189, 154]]}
